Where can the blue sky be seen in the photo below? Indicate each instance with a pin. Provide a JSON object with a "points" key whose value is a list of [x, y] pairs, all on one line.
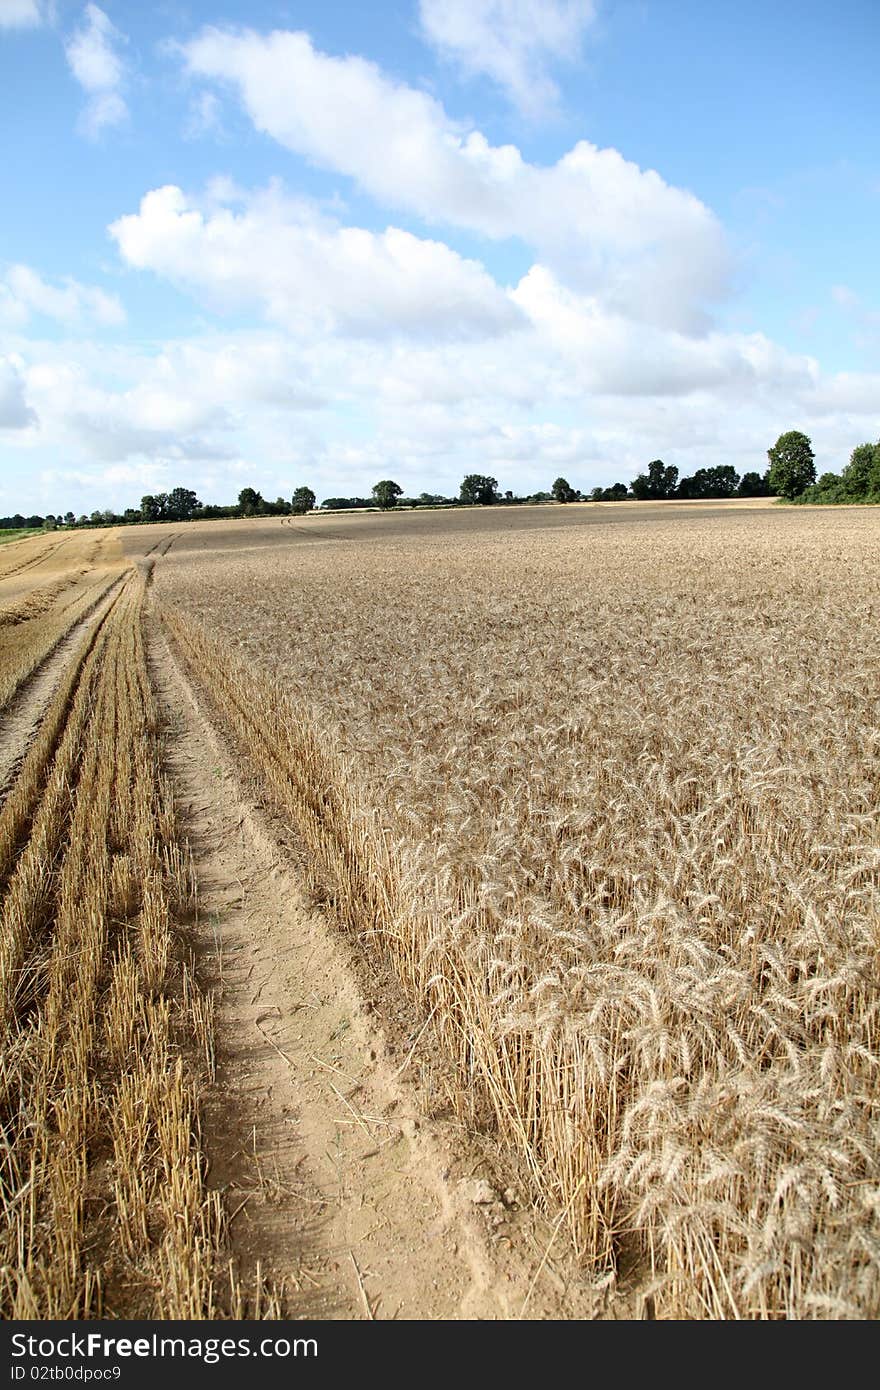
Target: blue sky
{"points": [[276, 244]]}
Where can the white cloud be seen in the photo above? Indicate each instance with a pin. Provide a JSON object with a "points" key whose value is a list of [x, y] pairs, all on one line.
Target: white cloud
{"points": [[602, 224], [94, 59], [272, 411], [510, 41], [20, 14], [24, 292], [155, 415], [849, 393], [307, 272], [609, 354], [189, 401], [15, 413]]}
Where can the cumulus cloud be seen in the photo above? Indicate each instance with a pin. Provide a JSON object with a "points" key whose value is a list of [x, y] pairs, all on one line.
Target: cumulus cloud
{"points": [[155, 415], [95, 61], [307, 272], [265, 408], [15, 413], [603, 225], [529, 345], [23, 293], [510, 41], [609, 354], [186, 402]]}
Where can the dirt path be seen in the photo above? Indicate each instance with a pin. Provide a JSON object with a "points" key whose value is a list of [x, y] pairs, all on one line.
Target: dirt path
{"points": [[333, 1179], [22, 716]]}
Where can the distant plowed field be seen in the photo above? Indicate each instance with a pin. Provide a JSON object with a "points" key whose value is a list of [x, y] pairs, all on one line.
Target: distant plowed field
{"points": [[602, 784]]}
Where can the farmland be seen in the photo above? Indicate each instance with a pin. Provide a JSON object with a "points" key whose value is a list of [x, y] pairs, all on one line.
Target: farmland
{"points": [[586, 797]]}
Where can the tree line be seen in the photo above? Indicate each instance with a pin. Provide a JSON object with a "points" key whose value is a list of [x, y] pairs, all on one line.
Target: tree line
{"points": [[790, 474]]}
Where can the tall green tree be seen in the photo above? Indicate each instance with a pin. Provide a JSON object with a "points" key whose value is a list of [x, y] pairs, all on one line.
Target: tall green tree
{"points": [[386, 493], [792, 464], [753, 484], [182, 503], [660, 481], [719, 481], [561, 491], [857, 474], [250, 501], [477, 489], [303, 500]]}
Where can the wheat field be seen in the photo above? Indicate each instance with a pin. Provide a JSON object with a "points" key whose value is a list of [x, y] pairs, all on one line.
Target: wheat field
{"points": [[606, 797], [598, 784]]}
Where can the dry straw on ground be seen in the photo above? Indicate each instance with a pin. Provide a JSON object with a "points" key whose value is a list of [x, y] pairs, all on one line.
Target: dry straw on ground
{"points": [[607, 798], [105, 1037]]}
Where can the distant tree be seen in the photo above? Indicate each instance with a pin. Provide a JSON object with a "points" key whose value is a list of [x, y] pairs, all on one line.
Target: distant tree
{"points": [[719, 481], [303, 501], [131, 516], [69, 519], [386, 493], [562, 492], [857, 474], [150, 510], [617, 492], [828, 488], [831, 485], [660, 481], [792, 464], [476, 489], [753, 485], [250, 502], [182, 503]]}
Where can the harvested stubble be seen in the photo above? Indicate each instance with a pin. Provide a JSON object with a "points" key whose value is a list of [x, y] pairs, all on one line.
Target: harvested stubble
{"points": [[608, 799], [102, 1182], [50, 588]]}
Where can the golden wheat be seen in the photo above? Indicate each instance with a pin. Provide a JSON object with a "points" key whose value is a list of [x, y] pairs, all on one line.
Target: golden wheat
{"points": [[607, 798]]}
